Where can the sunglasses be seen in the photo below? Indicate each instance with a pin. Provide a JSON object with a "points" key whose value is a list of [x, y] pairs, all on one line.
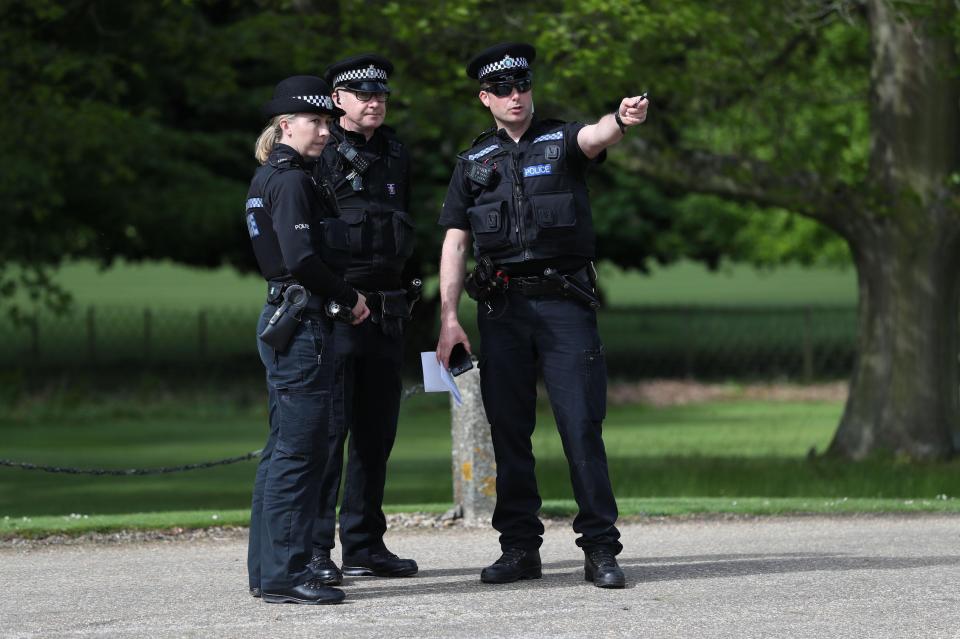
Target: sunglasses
{"points": [[366, 96], [503, 89]]}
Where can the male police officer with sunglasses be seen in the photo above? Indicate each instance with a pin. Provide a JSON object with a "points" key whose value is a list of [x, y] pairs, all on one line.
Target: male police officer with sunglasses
{"points": [[521, 192], [369, 169]]}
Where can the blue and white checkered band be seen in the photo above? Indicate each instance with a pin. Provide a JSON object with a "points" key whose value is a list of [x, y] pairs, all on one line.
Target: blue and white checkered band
{"points": [[255, 203], [322, 101], [482, 152], [507, 63], [370, 73], [556, 135]]}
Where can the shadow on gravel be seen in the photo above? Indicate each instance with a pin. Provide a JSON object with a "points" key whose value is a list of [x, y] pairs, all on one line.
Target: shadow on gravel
{"points": [[641, 570]]}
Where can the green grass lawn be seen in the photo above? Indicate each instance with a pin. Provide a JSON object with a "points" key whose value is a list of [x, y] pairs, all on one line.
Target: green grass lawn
{"points": [[169, 286], [715, 450]]}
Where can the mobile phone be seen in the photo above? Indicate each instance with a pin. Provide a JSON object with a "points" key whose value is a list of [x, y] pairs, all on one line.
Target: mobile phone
{"points": [[460, 360]]}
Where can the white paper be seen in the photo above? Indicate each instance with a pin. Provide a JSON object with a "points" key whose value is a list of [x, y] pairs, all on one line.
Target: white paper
{"points": [[436, 377]]}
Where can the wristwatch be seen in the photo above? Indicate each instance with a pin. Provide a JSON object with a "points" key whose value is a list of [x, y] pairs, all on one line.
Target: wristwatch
{"points": [[616, 116]]}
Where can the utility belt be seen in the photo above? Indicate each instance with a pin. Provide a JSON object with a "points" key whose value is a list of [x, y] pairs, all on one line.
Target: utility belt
{"points": [[276, 289], [487, 279], [391, 310]]}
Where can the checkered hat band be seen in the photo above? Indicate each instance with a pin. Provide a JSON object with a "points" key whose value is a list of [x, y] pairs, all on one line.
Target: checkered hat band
{"points": [[506, 63], [322, 101], [369, 73]]}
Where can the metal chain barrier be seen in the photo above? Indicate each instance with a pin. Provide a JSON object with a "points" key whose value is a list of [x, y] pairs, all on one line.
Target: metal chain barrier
{"points": [[408, 392]]}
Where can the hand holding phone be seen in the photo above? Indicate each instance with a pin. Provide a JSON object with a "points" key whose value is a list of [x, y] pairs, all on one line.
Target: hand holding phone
{"points": [[460, 360]]}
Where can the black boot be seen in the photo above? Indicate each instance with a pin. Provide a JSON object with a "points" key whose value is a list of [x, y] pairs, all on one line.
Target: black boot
{"points": [[381, 564], [324, 568], [311, 592], [255, 592], [514, 564], [600, 566]]}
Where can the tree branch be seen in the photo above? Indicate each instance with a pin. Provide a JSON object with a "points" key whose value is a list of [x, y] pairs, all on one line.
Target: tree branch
{"points": [[748, 180]]}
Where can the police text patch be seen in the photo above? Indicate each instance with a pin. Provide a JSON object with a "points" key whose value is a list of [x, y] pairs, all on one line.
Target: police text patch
{"points": [[537, 169]]}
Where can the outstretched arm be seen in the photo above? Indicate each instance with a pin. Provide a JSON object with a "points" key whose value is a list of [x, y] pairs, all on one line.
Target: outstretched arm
{"points": [[594, 138]]}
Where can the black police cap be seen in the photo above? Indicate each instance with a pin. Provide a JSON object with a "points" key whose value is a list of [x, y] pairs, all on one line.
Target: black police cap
{"points": [[366, 72], [504, 61], [301, 94]]}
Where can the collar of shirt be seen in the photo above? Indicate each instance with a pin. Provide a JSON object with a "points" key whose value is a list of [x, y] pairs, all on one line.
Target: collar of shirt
{"points": [[283, 155], [358, 140]]}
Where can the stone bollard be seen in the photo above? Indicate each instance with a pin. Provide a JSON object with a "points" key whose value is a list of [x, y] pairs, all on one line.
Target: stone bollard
{"points": [[474, 468]]}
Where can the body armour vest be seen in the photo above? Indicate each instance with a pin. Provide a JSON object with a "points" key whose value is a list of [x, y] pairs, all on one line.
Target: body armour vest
{"points": [[370, 179], [530, 201], [327, 231]]}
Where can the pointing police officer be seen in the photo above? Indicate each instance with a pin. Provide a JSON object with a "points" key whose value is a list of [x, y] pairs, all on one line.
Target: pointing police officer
{"points": [[368, 168], [301, 250], [520, 192]]}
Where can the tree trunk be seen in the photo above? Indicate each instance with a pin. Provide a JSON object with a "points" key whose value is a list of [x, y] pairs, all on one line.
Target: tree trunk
{"points": [[904, 393]]}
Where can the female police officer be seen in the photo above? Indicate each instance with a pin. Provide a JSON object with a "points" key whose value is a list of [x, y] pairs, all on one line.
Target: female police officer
{"points": [[301, 251]]}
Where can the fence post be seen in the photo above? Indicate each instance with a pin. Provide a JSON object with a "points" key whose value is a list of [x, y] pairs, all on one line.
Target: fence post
{"points": [[202, 333], [474, 469], [91, 334], [807, 344], [147, 330]]}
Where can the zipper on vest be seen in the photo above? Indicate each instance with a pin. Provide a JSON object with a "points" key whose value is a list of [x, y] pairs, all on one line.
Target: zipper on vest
{"points": [[518, 201]]}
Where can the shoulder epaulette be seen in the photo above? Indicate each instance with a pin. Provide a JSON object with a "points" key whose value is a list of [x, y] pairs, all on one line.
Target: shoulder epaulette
{"points": [[483, 136]]}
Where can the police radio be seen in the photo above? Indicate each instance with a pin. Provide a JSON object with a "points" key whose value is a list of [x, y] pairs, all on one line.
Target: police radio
{"points": [[358, 164]]}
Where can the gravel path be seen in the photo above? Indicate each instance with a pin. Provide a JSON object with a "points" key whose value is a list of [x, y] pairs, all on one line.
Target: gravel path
{"points": [[792, 577]]}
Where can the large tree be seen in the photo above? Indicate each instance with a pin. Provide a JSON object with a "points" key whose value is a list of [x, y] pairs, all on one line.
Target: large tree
{"points": [[127, 131], [890, 190]]}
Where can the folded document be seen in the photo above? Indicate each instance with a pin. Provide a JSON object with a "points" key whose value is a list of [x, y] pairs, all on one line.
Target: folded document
{"points": [[436, 378]]}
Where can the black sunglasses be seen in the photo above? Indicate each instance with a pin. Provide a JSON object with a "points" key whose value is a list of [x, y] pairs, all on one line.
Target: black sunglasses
{"points": [[503, 89]]}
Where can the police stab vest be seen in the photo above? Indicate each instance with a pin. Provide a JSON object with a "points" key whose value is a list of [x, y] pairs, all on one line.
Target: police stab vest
{"points": [[372, 194], [527, 206]]}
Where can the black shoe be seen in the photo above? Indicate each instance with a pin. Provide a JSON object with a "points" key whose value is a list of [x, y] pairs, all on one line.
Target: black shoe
{"points": [[312, 592], [325, 570], [255, 592], [600, 566], [380, 564], [514, 564]]}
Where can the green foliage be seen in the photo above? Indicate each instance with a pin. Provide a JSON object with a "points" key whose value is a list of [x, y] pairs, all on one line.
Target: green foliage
{"points": [[128, 127]]}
